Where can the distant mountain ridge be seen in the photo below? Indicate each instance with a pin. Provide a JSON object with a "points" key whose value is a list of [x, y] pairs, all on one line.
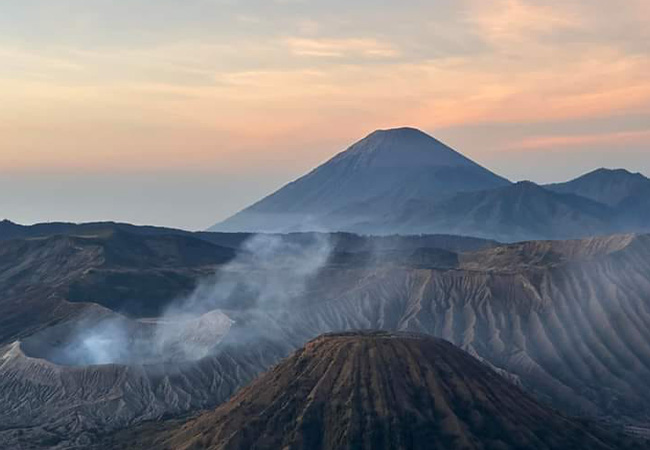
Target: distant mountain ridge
{"points": [[610, 187], [627, 193], [405, 181], [513, 213]]}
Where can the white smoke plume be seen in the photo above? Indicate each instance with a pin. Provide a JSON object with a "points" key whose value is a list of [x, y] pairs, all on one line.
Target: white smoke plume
{"points": [[269, 272]]}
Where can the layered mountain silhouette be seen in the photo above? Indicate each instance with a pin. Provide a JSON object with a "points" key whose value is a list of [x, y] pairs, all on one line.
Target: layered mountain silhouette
{"points": [[379, 391], [626, 193], [610, 187], [370, 179], [404, 181]]}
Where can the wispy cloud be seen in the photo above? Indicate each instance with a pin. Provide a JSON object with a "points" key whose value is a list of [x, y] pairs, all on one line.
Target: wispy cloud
{"points": [[16, 62], [249, 19], [565, 141], [340, 48], [308, 27], [508, 22]]}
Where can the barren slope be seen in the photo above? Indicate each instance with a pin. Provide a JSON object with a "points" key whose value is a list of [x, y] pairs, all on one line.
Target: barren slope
{"points": [[381, 391], [568, 320]]}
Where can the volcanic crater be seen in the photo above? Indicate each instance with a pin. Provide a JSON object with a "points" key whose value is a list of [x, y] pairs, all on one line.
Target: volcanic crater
{"points": [[110, 338]]}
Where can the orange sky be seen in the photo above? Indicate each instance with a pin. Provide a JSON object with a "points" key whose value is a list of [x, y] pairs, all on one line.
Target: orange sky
{"points": [[259, 91]]}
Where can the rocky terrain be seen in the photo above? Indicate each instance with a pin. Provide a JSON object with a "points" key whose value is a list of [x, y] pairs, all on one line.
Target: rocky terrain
{"points": [[49, 271], [566, 320], [377, 391]]}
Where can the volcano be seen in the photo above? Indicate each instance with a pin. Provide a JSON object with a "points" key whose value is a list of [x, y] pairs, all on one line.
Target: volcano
{"points": [[403, 181], [367, 181], [380, 390]]}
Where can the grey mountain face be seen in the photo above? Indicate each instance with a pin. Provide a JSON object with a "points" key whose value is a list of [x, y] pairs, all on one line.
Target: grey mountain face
{"points": [[518, 212], [365, 182], [628, 194], [404, 181], [610, 187]]}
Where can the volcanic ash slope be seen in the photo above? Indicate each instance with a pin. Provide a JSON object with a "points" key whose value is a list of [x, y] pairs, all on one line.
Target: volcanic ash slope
{"points": [[380, 390]]}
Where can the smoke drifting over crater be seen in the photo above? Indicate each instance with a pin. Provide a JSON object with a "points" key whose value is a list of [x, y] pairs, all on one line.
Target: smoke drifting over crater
{"points": [[269, 272]]}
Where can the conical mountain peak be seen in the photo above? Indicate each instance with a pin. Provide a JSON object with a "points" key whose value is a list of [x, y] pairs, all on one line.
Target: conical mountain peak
{"points": [[402, 147], [399, 133], [377, 175], [381, 391]]}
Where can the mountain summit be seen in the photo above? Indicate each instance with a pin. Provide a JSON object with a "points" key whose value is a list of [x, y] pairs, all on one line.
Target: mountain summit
{"points": [[401, 148], [364, 183]]}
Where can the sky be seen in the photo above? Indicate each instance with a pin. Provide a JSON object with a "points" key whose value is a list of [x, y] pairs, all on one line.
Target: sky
{"points": [[182, 112]]}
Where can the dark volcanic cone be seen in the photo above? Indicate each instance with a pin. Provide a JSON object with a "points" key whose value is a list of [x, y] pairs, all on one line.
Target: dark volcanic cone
{"points": [[376, 391]]}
